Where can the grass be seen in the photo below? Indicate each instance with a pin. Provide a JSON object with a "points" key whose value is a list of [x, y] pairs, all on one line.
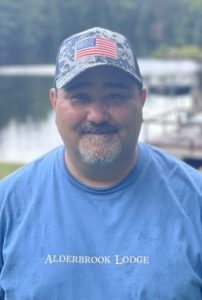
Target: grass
{"points": [[7, 168]]}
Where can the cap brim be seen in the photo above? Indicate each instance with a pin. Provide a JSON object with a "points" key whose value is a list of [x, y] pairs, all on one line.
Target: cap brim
{"points": [[67, 77]]}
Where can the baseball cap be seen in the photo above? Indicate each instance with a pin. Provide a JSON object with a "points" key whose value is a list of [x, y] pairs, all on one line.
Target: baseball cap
{"points": [[91, 48]]}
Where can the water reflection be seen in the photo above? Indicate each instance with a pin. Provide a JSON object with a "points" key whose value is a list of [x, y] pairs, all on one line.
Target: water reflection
{"points": [[23, 142], [24, 98], [27, 127]]}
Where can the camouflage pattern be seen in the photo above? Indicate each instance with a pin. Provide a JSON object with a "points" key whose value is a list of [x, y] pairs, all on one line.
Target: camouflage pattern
{"points": [[68, 66]]}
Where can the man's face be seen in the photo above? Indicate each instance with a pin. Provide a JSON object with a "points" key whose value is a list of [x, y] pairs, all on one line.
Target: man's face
{"points": [[99, 115]]}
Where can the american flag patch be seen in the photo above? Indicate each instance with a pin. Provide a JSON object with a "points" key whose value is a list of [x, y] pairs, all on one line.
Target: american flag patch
{"points": [[96, 46]]}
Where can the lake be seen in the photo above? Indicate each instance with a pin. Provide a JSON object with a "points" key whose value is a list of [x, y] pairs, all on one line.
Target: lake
{"points": [[27, 125]]}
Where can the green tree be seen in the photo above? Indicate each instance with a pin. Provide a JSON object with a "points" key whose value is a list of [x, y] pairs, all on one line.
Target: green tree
{"points": [[32, 30]]}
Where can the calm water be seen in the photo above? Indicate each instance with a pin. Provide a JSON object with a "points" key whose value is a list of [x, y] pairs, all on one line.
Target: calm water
{"points": [[23, 142], [27, 126]]}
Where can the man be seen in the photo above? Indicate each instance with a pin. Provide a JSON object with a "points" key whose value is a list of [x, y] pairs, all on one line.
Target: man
{"points": [[102, 217]]}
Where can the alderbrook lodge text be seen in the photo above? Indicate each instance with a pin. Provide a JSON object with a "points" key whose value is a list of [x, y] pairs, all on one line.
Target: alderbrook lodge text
{"points": [[116, 259]]}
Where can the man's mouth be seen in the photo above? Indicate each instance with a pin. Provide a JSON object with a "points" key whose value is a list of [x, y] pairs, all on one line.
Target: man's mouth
{"points": [[98, 129]]}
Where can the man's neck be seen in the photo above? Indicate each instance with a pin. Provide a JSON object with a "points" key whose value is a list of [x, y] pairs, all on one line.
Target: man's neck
{"points": [[101, 175]]}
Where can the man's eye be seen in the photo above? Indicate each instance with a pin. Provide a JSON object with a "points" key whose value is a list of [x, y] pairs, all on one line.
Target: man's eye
{"points": [[81, 98], [116, 98]]}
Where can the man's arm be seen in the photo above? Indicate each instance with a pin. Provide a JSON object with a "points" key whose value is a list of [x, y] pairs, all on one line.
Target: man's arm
{"points": [[2, 294], [1, 266]]}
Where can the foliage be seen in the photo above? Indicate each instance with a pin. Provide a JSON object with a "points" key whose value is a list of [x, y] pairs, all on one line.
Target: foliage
{"points": [[32, 30], [186, 52]]}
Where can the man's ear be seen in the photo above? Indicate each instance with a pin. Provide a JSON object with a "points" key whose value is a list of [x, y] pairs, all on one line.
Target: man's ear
{"points": [[143, 96], [53, 97]]}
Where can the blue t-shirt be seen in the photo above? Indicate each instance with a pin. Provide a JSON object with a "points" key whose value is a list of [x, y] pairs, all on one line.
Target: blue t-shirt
{"points": [[138, 240]]}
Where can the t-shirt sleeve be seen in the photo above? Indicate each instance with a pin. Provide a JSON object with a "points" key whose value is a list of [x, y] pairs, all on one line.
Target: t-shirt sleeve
{"points": [[1, 294]]}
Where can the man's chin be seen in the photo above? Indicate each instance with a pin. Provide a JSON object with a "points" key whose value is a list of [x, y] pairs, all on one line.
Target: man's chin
{"points": [[100, 149]]}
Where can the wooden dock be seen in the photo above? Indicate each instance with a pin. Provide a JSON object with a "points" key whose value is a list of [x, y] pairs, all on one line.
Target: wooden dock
{"points": [[180, 131]]}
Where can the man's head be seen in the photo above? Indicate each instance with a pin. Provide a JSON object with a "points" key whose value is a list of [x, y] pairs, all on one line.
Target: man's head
{"points": [[99, 98], [92, 48]]}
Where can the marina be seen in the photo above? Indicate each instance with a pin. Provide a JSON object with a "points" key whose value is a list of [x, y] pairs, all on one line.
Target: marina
{"points": [[180, 124]]}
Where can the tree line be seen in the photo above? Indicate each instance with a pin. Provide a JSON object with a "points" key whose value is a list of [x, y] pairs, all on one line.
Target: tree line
{"points": [[31, 31]]}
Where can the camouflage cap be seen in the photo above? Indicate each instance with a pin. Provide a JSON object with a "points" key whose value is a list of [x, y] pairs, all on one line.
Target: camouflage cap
{"points": [[91, 48]]}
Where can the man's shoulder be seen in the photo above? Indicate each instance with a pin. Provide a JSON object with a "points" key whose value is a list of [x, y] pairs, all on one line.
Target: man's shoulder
{"points": [[29, 172], [166, 158], [175, 182], [171, 167]]}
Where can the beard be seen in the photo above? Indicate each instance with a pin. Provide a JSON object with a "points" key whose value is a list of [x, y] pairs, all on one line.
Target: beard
{"points": [[100, 149]]}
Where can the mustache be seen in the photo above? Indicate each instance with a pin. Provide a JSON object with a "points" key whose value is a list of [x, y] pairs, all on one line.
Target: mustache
{"points": [[102, 128]]}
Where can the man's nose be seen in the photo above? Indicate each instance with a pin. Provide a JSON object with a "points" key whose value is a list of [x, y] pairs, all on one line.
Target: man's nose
{"points": [[97, 113]]}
